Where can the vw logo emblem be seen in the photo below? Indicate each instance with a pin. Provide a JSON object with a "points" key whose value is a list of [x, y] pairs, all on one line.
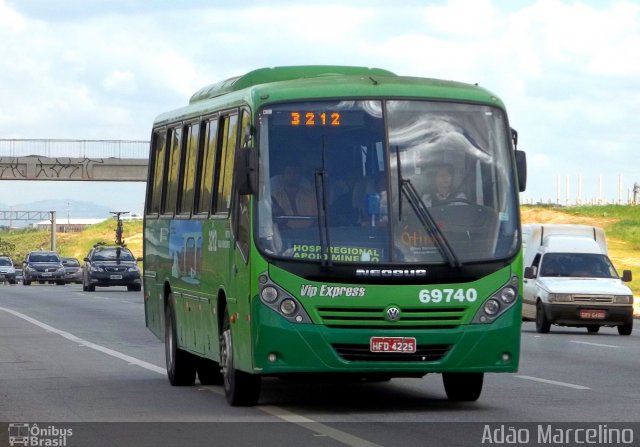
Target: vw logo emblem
{"points": [[393, 314]]}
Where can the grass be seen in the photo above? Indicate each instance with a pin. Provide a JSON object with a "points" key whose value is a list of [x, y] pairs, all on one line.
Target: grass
{"points": [[626, 227]]}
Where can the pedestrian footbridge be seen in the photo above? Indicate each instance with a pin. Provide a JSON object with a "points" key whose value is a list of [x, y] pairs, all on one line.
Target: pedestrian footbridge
{"points": [[68, 160]]}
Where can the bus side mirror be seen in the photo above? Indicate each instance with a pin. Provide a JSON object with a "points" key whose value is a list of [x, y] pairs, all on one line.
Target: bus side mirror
{"points": [[521, 166], [530, 272], [245, 171], [627, 276]]}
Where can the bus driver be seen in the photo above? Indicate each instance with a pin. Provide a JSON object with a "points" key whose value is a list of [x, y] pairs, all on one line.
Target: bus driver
{"points": [[292, 196]]}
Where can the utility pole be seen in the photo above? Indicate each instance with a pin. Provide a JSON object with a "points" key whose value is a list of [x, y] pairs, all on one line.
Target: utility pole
{"points": [[53, 230]]}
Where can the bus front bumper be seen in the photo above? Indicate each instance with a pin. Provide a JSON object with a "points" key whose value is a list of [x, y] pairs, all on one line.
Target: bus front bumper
{"points": [[282, 347]]}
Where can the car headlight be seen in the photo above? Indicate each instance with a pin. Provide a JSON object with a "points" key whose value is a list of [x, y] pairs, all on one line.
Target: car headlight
{"points": [[11, 270], [560, 298], [133, 269], [624, 299], [96, 268]]}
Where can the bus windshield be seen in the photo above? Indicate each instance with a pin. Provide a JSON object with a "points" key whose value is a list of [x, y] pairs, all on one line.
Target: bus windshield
{"points": [[395, 181]]}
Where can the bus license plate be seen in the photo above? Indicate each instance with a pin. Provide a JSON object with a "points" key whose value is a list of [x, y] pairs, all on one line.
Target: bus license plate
{"points": [[116, 276], [592, 314], [405, 345]]}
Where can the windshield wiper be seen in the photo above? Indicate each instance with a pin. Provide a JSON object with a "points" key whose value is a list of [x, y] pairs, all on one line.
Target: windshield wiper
{"points": [[426, 219], [321, 203]]}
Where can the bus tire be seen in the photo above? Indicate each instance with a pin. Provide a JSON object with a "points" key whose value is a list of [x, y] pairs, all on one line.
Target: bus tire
{"points": [[626, 329], [463, 387], [240, 388], [209, 372], [543, 325], [181, 365]]}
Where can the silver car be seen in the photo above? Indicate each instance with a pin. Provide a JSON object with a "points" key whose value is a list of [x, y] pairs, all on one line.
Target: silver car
{"points": [[7, 270], [72, 270]]}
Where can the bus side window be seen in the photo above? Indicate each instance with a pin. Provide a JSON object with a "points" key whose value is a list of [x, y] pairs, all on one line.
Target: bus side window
{"points": [[227, 154], [158, 152], [188, 169], [170, 188], [206, 167]]}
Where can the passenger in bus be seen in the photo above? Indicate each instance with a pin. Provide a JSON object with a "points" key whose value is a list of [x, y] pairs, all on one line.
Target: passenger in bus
{"points": [[443, 191], [292, 196]]}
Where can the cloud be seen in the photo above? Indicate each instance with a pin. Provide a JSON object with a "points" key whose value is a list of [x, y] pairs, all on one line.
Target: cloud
{"points": [[568, 71]]}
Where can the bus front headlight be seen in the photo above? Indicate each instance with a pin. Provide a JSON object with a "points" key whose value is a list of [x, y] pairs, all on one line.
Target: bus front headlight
{"points": [[288, 306], [491, 307], [508, 295], [281, 301], [498, 303], [269, 294]]}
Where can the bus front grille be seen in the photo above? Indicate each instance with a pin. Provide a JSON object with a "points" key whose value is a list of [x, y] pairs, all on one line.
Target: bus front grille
{"points": [[375, 318], [362, 353]]}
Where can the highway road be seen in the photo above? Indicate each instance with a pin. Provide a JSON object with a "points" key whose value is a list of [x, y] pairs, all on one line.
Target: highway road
{"points": [[70, 358]]}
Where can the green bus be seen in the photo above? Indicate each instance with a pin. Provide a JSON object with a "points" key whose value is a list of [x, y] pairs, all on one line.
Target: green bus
{"points": [[332, 221]]}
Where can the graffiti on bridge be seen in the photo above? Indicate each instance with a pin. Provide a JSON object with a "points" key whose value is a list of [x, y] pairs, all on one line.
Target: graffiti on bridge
{"points": [[44, 168]]}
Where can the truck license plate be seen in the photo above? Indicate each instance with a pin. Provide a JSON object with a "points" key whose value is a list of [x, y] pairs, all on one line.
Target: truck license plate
{"points": [[592, 314], [404, 345]]}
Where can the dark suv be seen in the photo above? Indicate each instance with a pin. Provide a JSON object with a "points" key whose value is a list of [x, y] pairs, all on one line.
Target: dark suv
{"points": [[42, 266], [107, 266]]}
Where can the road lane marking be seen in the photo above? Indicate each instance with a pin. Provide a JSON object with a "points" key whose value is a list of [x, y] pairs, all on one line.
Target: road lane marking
{"points": [[119, 355], [278, 412], [316, 427], [602, 345], [554, 382]]}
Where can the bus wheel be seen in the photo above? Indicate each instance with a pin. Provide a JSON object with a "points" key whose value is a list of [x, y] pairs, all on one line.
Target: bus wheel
{"points": [[181, 366], [542, 323], [463, 387], [593, 328], [240, 388], [209, 372], [626, 329]]}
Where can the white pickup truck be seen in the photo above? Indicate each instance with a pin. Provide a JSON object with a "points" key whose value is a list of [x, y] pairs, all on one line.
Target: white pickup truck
{"points": [[569, 280]]}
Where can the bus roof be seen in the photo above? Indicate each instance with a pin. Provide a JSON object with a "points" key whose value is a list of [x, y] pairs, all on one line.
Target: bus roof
{"points": [[323, 81], [276, 74]]}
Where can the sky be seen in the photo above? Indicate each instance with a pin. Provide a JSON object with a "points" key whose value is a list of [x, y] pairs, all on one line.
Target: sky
{"points": [[568, 72]]}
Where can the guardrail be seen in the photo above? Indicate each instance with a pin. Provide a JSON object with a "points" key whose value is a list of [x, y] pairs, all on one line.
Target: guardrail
{"points": [[74, 148]]}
